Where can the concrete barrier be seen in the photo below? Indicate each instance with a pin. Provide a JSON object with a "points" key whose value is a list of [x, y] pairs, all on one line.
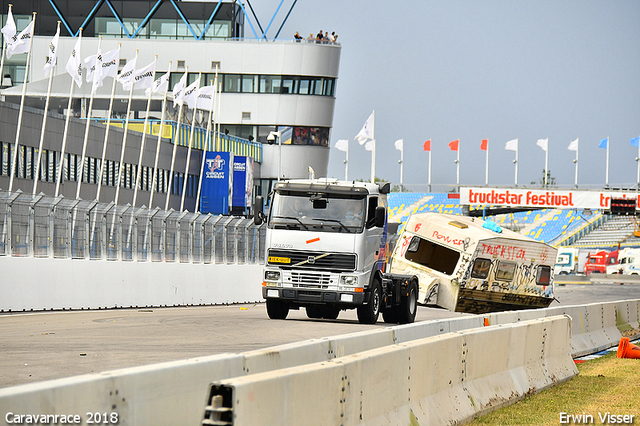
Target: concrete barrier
{"points": [[149, 391], [437, 380], [30, 284]]}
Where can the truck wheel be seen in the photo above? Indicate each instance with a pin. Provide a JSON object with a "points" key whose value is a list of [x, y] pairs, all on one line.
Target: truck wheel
{"points": [[314, 312], [408, 305], [368, 314], [390, 316], [331, 313], [277, 309]]}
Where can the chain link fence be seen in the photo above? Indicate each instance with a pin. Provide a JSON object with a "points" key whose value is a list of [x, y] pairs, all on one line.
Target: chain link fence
{"points": [[44, 226]]}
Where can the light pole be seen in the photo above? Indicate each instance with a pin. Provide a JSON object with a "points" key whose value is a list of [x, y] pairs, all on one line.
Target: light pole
{"points": [[271, 139]]}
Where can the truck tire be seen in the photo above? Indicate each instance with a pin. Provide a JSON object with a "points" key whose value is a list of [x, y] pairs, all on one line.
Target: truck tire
{"points": [[408, 306], [390, 316], [326, 312], [277, 309], [368, 314]]}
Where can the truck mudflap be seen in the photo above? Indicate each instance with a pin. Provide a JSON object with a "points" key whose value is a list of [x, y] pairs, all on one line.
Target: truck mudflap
{"points": [[482, 301], [300, 296]]}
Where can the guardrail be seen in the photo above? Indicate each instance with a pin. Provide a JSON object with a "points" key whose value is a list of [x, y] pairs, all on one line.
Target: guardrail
{"points": [[60, 228], [172, 393]]}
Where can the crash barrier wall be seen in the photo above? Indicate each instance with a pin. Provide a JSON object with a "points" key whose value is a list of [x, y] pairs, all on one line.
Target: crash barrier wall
{"points": [[595, 327], [439, 380], [150, 391], [28, 284], [48, 227]]}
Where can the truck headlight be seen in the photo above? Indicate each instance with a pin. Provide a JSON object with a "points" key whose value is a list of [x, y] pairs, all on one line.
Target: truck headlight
{"points": [[272, 275], [349, 280]]}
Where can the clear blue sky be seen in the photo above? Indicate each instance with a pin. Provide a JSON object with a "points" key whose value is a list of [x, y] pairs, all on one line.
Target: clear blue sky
{"points": [[473, 70]]}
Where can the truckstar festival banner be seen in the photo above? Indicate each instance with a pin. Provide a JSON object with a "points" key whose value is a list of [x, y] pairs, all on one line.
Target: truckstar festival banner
{"points": [[541, 198], [217, 183]]}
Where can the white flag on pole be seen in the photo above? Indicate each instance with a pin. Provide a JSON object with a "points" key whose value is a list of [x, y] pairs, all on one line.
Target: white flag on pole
{"points": [[110, 62], [160, 85], [126, 75], [342, 145], [543, 143], [205, 98], [191, 94], [399, 144], [367, 130], [368, 146], [9, 30], [178, 91], [97, 73], [512, 145], [143, 78], [90, 65], [20, 43], [74, 64], [53, 54], [573, 146]]}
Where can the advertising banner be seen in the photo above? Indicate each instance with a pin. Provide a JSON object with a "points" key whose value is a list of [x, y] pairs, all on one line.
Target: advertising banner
{"points": [[217, 183], [242, 182], [542, 198]]}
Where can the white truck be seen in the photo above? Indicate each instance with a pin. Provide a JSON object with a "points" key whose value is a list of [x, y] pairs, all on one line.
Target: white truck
{"points": [[567, 261], [328, 249], [628, 262]]}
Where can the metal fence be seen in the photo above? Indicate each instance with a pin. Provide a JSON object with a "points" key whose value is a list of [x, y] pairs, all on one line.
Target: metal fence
{"points": [[42, 226]]}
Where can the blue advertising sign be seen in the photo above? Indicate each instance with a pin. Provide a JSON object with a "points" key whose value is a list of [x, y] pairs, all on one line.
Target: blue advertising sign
{"points": [[217, 183], [242, 183]]}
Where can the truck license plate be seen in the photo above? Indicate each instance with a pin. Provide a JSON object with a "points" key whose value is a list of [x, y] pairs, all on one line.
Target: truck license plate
{"points": [[273, 259]]}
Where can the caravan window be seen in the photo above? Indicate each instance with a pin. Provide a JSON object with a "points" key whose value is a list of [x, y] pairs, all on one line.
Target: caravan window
{"points": [[481, 268], [505, 271], [432, 255], [543, 275]]}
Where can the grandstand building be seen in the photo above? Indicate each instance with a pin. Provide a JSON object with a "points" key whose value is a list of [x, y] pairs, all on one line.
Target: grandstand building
{"points": [[267, 85]]}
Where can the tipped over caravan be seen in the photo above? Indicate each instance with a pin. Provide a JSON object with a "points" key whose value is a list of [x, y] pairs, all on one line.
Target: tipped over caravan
{"points": [[465, 264]]}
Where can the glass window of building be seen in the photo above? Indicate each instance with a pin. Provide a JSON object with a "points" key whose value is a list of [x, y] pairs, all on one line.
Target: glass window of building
{"points": [[162, 28], [232, 83], [270, 83], [304, 85], [249, 83], [288, 85]]}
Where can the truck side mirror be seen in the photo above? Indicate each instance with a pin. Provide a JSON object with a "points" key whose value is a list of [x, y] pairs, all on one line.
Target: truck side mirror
{"points": [[381, 215], [258, 214]]}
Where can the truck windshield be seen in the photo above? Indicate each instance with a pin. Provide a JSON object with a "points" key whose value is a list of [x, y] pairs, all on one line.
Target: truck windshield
{"points": [[328, 214]]}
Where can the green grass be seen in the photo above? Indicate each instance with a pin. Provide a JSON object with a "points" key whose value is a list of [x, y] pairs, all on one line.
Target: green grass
{"points": [[605, 384]]}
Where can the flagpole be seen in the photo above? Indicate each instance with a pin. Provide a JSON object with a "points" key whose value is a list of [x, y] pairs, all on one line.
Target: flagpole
{"points": [[106, 133], [66, 124], [207, 142], [546, 165], [155, 163], [607, 164], [373, 149], [576, 161], [429, 180], [219, 113], [176, 139], [516, 163], [346, 163], [638, 161], [4, 45], [144, 136], [44, 122], [401, 166], [24, 93], [88, 123], [126, 131], [193, 126], [486, 167], [458, 166]]}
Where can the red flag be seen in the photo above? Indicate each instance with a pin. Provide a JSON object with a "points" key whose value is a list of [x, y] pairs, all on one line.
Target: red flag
{"points": [[484, 145], [454, 145], [427, 145]]}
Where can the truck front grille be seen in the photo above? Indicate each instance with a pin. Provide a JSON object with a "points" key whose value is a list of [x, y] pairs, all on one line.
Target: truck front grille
{"points": [[310, 280], [331, 262]]}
